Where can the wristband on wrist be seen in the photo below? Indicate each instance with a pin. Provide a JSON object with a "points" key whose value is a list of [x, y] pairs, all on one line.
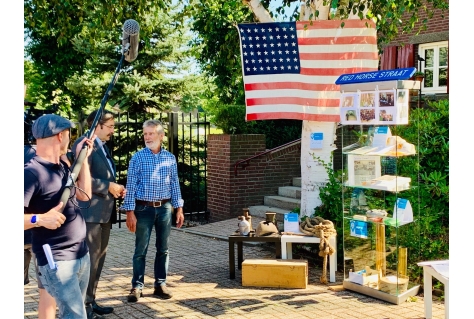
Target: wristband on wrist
{"points": [[34, 220]]}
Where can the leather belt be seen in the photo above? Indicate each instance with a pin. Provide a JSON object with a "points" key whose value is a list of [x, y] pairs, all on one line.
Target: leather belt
{"points": [[152, 204]]}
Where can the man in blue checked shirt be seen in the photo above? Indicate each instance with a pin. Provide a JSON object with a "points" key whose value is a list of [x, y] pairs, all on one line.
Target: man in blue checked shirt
{"points": [[152, 191]]}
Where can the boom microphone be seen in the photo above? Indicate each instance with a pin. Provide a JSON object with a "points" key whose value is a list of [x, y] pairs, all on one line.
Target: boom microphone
{"points": [[129, 53], [130, 40]]}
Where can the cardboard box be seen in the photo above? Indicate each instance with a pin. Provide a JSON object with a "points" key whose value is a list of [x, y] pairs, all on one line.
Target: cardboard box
{"points": [[272, 273], [370, 278]]}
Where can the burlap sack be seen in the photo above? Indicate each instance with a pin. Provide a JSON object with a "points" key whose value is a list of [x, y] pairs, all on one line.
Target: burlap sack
{"points": [[265, 228]]}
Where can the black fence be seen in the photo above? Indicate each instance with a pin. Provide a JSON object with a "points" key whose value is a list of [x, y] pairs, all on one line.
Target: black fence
{"points": [[186, 138]]}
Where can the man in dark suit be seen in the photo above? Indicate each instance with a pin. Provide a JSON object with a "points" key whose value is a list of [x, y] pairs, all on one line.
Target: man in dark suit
{"points": [[101, 213]]}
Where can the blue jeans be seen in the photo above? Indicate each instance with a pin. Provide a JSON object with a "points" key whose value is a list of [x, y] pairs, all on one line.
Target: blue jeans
{"points": [[68, 284], [147, 217]]}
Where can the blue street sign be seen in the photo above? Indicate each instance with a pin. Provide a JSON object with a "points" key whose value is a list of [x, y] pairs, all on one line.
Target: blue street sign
{"points": [[375, 76]]}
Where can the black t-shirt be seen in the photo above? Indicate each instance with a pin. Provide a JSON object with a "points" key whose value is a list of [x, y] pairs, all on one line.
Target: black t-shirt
{"points": [[44, 183]]}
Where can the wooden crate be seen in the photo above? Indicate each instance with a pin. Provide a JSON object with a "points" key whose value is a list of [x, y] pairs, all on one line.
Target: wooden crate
{"points": [[275, 273]]}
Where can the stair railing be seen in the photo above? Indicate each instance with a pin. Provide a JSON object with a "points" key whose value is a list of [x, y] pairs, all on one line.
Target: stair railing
{"points": [[246, 162]]}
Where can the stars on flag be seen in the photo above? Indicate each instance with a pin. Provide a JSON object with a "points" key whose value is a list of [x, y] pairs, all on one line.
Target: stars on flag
{"points": [[263, 40]]}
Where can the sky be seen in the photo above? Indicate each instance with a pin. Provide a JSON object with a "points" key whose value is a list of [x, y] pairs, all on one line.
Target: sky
{"points": [[276, 4], [12, 90]]}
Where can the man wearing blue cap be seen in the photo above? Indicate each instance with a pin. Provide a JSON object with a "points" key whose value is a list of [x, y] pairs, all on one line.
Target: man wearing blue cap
{"points": [[45, 177]]}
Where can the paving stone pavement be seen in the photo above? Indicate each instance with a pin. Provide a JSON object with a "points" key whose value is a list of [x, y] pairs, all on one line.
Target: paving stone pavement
{"points": [[199, 279]]}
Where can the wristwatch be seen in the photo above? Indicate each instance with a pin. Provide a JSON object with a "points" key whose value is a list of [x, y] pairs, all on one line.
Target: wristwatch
{"points": [[34, 220]]}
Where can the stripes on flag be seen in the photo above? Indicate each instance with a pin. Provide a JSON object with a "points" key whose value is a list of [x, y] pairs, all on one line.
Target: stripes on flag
{"points": [[290, 68]]}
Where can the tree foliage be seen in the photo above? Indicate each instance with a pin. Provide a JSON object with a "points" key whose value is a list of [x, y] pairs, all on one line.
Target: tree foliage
{"points": [[155, 80], [214, 23], [62, 20], [75, 47]]}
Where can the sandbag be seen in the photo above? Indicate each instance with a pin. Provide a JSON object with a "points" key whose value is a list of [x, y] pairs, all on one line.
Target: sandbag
{"points": [[265, 228]]}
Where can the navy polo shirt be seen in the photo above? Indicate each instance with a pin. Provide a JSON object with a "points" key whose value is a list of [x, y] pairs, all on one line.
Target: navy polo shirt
{"points": [[30, 152], [44, 183]]}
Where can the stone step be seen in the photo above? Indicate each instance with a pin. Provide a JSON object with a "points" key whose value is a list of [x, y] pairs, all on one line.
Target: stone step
{"points": [[260, 211], [290, 191], [282, 202], [297, 181]]}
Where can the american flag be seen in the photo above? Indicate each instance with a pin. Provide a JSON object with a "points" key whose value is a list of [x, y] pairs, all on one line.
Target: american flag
{"points": [[290, 68]]}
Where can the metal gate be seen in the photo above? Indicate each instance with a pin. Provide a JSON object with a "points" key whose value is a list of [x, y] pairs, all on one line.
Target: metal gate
{"points": [[186, 138]]}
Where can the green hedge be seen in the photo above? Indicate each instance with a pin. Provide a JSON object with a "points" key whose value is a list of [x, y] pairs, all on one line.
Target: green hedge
{"points": [[231, 119]]}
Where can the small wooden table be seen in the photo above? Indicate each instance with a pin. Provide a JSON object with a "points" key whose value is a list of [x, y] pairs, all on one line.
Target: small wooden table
{"points": [[237, 238]]}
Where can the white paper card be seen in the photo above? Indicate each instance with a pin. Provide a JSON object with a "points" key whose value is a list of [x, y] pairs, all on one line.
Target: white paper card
{"points": [[381, 135], [291, 223], [316, 141], [403, 211]]}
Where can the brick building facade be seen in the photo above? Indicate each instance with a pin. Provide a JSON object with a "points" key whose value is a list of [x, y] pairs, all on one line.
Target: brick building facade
{"points": [[431, 45], [227, 192]]}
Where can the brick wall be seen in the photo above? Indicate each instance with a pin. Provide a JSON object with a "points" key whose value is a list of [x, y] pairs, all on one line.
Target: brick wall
{"points": [[227, 193], [435, 24]]}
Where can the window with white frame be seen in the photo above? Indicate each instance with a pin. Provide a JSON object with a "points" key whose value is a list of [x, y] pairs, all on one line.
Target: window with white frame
{"points": [[435, 66]]}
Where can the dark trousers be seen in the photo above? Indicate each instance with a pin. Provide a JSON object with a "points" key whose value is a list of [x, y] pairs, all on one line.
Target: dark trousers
{"points": [[97, 240], [28, 255]]}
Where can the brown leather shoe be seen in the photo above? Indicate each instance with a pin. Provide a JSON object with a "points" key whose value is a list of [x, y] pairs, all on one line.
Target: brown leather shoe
{"points": [[134, 295], [163, 292]]}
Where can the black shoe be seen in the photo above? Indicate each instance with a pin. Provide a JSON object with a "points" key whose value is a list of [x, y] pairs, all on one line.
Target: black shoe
{"points": [[101, 310], [163, 292], [134, 295], [92, 315]]}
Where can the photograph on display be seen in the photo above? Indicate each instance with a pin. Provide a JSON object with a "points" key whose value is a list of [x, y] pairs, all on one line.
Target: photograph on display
{"points": [[349, 116], [387, 115], [367, 115], [402, 106], [404, 114], [349, 100], [402, 97], [367, 99], [387, 98], [362, 169], [348, 109], [375, 107]]}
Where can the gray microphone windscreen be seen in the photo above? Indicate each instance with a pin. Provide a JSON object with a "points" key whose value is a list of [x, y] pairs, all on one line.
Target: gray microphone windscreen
{"points": [[131, 29]]}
